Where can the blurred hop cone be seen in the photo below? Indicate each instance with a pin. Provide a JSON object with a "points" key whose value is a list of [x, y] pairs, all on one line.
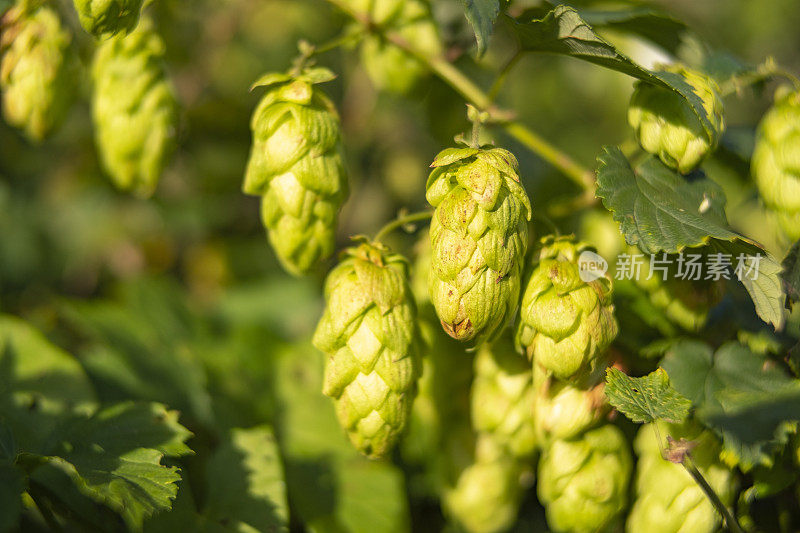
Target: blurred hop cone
{"points": [[565, 323], [37, 71], [479, 235], [368, 330], [776, 160], [666, 125], [134, 109], [296, 166], [108, 17]]}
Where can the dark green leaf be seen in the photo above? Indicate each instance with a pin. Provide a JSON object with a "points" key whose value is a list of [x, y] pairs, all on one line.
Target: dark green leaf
{"points": [[790, 275], [12, 483], [645, 22], [482, 14], [647, 398]]}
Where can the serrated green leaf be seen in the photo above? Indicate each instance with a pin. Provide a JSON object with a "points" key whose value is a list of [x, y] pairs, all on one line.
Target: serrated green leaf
{"points": [[647, 398], [12, 483], [563, 31], [8, 446], [245, 482], [790, 274], [646, 22], [481, 15]]}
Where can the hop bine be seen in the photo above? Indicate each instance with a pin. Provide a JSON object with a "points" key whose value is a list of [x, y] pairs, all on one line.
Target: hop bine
{"points": [[666, 125], [37, 71], [368, 331], [108, 17], [776, 160], [134, 109], [296, 166], [565, 323], [479, 236]]}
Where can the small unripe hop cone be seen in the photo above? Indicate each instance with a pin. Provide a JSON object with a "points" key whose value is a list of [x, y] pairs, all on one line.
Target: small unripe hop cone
{"points": [[479, 235], [666, 125], [108, 17], [368, 331]]}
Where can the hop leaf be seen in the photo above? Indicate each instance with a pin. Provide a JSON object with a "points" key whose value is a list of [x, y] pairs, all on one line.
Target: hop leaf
{"points": [[479, 236], [134, 109], [108, 17], [647, 398], [368, 331]]}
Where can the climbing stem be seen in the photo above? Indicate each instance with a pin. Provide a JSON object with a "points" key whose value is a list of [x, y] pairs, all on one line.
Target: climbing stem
{"points": [[711, 494], [401, 221]]}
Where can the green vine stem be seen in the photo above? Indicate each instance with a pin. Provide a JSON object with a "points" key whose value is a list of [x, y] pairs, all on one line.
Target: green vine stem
{"points": [[401, 221], [448, 73], [766, 70]]}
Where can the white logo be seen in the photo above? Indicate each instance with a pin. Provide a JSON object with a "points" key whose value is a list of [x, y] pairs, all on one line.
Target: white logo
{"points": [[591, 266]]}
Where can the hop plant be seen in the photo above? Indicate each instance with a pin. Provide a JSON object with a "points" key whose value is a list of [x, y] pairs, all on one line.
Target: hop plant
{"points": [[503, 397], [37, 71], [776, 160], [479, 236], [134, 109], [666, 125], [565, 323], [108, 17], [296, 166], [668, 500], [583, 483], [368, 331]]}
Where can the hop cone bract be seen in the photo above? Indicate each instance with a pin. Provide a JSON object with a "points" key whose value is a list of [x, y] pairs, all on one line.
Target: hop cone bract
{"points": [[479, 236], [583, 483], [37, 72], [666, 125], [134, 109], [296, 166], [368, 331], [565, 323], [776, 160], [108, 17]]}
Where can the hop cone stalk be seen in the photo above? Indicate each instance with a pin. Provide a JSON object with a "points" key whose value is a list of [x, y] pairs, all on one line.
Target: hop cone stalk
{"points": [[666, 125], [368, 331], [108, 17], [37, 71], [134, 109], [668, 500], [776, 160], [565, 323], [583, 482], [479, 236], [296, 166], [503, 397]]}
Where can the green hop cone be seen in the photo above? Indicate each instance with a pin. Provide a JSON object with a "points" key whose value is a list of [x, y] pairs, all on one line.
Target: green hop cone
{"points": [[368, 331], [668, 500], [583, 483], [296, 165], [776, 160], [37, 71], [565, 323], [134, 109], [479, 235], [503, 397], [666, 125], [389, 67], [108, 17]]}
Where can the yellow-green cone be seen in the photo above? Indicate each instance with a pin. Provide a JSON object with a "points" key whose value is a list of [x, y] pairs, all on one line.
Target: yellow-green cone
{"points": [[134, 109], [108, 17], [565, 323], [37, 71], [666, 125], [296, 166], [776, 160], [668, 500], [368, 331], [479, 235]]}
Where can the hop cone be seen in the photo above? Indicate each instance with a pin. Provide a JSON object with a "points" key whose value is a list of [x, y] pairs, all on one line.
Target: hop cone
{"points": [[583, 483], [368, 331], [388, 66], [296, 166], [134, 109], [565, 323], [503, 396], [108, 17], [776, 160], [666, 125], [668, 500], [37, 72], [479, 235]]}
